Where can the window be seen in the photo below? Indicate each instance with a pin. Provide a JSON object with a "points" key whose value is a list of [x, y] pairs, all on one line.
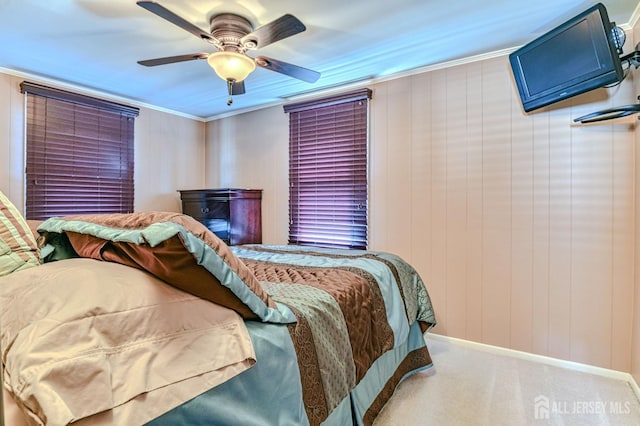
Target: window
{"points": [[79, 154], [328, 171]]}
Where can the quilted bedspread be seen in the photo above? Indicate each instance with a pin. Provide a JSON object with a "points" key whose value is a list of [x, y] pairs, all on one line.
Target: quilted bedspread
{"points": [[351, 308]]}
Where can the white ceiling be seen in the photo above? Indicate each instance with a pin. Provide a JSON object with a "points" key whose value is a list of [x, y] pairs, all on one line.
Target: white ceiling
{"points": [[94, 44]]}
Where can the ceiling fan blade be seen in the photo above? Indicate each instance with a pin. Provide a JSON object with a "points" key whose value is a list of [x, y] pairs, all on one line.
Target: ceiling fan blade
{"points": [[283, 27], [238, 88], [165, 13], [291, 70], [173, 59]]}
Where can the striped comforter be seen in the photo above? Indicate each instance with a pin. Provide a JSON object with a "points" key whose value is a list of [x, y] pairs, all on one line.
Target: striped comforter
{"points": [[351, 308]]}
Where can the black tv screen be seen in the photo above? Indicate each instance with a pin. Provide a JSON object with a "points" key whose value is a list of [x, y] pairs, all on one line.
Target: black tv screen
{"points": [[575, 57]]}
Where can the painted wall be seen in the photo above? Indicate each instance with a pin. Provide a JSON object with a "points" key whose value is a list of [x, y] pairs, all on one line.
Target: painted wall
{"points": [[522, 225], [169, 152]]}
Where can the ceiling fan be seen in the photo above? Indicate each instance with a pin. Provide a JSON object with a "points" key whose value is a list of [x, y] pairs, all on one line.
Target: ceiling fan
{"points": [[233, 35]]}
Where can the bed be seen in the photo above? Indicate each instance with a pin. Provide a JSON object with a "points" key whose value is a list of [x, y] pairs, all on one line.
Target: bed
{"points": [[149, 318]]}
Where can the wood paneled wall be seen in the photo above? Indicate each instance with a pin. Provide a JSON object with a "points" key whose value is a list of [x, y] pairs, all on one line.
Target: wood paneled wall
{"points": [[252, 151], [11, 137], [521, 224], [169, 157]]}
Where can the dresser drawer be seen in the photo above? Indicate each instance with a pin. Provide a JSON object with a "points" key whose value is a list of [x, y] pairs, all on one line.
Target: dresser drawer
{"points": [[206, 209], [234, 215]]}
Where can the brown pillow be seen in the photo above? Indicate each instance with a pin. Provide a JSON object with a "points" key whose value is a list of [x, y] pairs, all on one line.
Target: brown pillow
{"points": [[177, 249], [33, 226]]}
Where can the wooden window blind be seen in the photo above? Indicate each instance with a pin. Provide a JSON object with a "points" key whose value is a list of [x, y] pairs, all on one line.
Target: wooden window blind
{"points": [[328, 171], [79, 154]]}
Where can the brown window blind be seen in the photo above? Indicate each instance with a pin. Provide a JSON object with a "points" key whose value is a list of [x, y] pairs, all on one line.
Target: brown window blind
{"points": [[79, 154], [328, 171]]}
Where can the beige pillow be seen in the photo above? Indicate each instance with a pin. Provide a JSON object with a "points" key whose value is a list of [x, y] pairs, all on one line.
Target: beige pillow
{"points": [[18, 249]]}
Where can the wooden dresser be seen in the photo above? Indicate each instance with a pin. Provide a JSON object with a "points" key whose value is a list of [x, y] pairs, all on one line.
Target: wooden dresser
{"points": [[234, 215]]}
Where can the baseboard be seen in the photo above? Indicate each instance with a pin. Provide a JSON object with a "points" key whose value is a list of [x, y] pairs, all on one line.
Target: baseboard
{"points": [[570, 365]]}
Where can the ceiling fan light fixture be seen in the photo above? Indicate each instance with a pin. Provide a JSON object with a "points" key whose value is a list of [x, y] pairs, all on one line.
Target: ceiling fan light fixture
{"points": [[231, 65]]}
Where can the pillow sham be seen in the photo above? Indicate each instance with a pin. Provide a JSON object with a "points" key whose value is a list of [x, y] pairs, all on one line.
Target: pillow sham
{"points": [[90, 342], [177, 249], [18, 248]]}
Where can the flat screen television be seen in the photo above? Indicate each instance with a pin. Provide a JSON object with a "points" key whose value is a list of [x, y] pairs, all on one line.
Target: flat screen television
{"points": [[577, 56]]}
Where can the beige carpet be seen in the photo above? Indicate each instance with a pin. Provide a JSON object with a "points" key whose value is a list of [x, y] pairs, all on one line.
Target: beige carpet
{"points": [[471, 385]]}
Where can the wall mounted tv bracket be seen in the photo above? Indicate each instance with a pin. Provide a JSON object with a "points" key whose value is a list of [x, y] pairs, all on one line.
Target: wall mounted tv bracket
{"points": [[633, 58], [610, 113]]}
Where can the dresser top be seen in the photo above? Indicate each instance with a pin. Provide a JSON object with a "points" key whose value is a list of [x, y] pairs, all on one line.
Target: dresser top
{"points": [[221, 192]]}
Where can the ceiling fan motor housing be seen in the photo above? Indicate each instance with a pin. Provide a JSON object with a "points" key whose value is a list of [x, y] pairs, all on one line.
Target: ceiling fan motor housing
{"points": [[229, 29]]}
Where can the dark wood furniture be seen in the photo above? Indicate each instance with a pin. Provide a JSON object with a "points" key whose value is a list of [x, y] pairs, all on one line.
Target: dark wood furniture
{"points": [[234, 215]]}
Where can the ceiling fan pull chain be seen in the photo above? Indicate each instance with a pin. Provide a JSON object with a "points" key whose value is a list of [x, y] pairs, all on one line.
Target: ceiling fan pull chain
{"points": [[230, 89]]}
